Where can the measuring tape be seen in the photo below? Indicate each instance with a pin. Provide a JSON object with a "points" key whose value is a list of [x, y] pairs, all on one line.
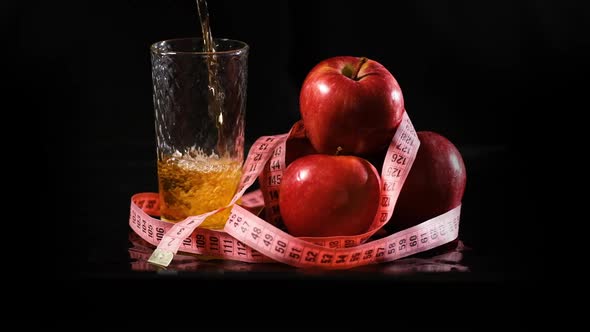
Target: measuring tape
{"points": [[248, 238]]}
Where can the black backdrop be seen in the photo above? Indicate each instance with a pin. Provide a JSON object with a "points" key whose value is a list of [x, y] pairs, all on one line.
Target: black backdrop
{"points": [[491, 76], [462, 67]]}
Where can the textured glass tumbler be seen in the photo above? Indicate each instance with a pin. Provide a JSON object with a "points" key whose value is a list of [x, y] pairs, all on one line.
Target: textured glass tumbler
{"points": [[200, 101]]}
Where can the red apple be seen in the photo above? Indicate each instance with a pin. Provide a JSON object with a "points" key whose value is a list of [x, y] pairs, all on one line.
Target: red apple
{"points": [[298, 144], [326, 195], [435, 184], [352, 103]]}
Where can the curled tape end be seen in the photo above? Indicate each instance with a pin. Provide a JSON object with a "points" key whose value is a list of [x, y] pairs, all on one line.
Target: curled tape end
{"points": [[161, 257]]}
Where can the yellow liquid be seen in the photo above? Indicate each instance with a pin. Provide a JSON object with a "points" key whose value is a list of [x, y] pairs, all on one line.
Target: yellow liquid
{"points": [[190, 186]]}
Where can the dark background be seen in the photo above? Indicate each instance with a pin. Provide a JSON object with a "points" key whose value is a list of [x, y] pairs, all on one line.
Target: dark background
{"points": [[491, 76]]}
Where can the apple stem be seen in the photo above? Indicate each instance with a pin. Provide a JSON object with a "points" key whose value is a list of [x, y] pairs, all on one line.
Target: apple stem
{"points": [[338, 150], [359, 65]]}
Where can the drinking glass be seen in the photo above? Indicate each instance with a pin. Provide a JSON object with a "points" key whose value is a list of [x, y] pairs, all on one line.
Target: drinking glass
{"points": [[200, 102]]}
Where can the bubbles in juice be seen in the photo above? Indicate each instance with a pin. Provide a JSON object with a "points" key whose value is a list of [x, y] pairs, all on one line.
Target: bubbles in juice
{"points": [[190, 186]]}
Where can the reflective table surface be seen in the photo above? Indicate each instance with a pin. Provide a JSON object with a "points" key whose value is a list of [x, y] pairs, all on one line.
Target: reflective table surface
{"points": [[491, 261]]}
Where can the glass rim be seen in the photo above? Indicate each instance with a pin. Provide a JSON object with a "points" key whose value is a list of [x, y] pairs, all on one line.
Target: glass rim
{"points": [[241, 47]]}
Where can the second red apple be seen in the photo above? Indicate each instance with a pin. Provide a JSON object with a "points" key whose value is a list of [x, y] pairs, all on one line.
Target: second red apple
{"points": [[435, 183], [324, 195], [298, 144]]}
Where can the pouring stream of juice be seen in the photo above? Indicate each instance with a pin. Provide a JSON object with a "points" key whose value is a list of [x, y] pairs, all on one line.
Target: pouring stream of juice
{"points": [[215, 92]]}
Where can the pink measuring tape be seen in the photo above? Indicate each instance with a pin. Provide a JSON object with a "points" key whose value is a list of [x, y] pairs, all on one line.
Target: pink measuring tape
{"points": [[248, 238]]}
